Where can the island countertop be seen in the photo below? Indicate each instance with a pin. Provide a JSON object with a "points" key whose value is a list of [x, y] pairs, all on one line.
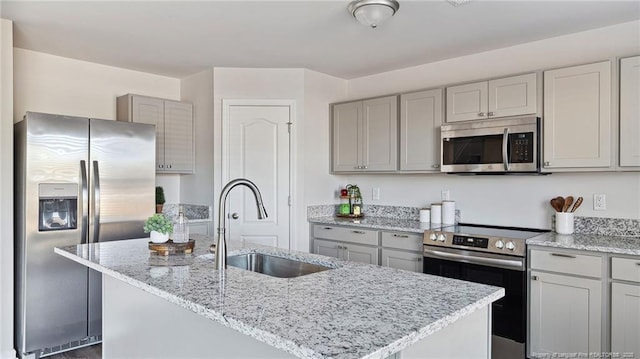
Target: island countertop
{"points": [[352, 311]]}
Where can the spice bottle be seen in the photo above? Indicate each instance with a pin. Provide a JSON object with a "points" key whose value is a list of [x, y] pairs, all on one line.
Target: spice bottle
{"points": [[181, 228]]}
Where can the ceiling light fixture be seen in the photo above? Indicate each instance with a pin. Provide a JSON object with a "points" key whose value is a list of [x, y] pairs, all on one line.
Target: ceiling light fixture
{"points": [[373, 12]]}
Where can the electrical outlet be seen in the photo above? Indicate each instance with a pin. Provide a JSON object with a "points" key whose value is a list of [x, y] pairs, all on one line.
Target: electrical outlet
{"points": [[444, 195], [375, 193], [599, 202]]}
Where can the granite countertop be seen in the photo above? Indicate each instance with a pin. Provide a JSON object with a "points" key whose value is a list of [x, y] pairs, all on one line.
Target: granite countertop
{"points": [[352, 311], [391, 224], [588, 242]]}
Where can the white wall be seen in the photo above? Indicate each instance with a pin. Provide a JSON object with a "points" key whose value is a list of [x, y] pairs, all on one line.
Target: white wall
{"points": [[311, 134], [198, 187], [578, 48], [54, 84], [319, 91], [519, 200], [59, 85], [6, 189]]}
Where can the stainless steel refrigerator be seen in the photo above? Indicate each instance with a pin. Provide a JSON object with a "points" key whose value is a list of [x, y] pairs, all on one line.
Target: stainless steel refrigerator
{"points": [[77, 180]]}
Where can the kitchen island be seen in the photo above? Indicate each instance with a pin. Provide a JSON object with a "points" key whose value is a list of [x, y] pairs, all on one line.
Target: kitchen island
{"points": [[181, 307]]}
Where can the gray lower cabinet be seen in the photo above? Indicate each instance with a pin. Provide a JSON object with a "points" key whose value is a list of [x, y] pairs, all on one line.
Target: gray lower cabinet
{"points": [[625, 306], [402, 251], [390, 249], [410, 261], [353, 244], [347, 251], [566, 303]]}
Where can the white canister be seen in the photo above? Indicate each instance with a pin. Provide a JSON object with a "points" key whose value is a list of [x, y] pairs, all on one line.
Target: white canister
{"points": [[448, 212], [425, 215], [436, 213], [564, 222]]}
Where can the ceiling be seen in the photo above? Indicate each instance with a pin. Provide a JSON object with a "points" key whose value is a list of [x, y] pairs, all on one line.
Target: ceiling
{"points": [[179, 38]]}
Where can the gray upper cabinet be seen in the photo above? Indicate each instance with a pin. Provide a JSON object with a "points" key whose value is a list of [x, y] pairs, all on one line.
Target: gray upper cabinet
{"points": [[577, 118], [174, 129], [364, 135], [509, 96], [420, 120], [630, 112]]}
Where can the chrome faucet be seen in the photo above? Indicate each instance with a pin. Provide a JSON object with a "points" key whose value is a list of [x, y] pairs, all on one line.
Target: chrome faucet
{"points": [[221, 241]]}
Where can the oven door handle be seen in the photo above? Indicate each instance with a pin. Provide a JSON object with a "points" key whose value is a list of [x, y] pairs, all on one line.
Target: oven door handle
{"points": [[493, 262], [505, 152]]}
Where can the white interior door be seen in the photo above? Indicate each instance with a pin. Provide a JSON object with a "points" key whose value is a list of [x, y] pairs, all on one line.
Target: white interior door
{"points": [[258, 149]]}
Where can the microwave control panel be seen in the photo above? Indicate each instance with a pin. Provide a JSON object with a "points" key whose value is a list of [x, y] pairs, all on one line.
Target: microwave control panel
{"points": [[521, 147]]}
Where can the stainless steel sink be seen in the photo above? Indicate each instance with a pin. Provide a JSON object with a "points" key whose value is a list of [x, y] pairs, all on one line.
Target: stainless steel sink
{"points": [[274, 266]]}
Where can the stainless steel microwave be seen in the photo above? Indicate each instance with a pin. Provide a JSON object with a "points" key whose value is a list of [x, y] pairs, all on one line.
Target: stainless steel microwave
{"points": [[500, 146]]}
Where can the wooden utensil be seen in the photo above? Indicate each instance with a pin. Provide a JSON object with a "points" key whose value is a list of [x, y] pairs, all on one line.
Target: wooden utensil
{"points": [[557, 203], [577, 204], [567, 203]]}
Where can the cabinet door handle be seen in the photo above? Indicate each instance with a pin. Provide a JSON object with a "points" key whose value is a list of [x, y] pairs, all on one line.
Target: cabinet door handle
{"points": [[168, 166], [638, 264], [329, 228], [344, 247], [435, 166], [547, 163], [490, 114], [563, 255], [401, 235], [160, 166], [364, 167], [534, 277], [339, 247], [481, 114], [358, 232], [418, 259]]}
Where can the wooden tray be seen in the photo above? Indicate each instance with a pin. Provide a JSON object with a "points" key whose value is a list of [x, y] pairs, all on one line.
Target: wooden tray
{"points": [[350, 215], [168, 247]]}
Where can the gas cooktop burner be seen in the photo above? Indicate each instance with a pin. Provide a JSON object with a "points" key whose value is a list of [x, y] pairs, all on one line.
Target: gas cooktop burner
{"points": [[494, 239]]}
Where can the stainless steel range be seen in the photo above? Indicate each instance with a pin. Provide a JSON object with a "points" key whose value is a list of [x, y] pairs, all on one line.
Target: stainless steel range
{"points": [[489, 255]]}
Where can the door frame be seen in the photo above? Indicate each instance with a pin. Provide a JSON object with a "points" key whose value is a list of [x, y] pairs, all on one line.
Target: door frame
{"points": [[226, 105]]}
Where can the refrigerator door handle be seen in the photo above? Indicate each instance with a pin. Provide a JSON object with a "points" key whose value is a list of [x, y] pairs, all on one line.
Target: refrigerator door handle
{"points": [[84, 202], [96, 203]]}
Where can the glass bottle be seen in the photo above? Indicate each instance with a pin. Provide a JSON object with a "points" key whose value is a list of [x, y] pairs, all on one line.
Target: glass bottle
{"points": [[180, 228]]}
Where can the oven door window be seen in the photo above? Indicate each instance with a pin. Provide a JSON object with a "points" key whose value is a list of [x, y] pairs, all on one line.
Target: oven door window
{"points": [[508, 313], [475, 150]]}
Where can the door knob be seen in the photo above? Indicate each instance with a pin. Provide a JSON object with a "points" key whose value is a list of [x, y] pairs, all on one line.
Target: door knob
{"points": [[235, 215]]}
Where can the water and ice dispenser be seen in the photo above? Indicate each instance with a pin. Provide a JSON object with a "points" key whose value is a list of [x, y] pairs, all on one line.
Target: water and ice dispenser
{"points": [[58, 206]]}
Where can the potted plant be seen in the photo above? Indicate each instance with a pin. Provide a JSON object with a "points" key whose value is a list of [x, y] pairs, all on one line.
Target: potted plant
{"points": [[159, 226], [159, 199]]}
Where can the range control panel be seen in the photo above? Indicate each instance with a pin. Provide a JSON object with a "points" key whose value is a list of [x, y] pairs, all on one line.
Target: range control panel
{"points": [[492, 244], [470, 241]]}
